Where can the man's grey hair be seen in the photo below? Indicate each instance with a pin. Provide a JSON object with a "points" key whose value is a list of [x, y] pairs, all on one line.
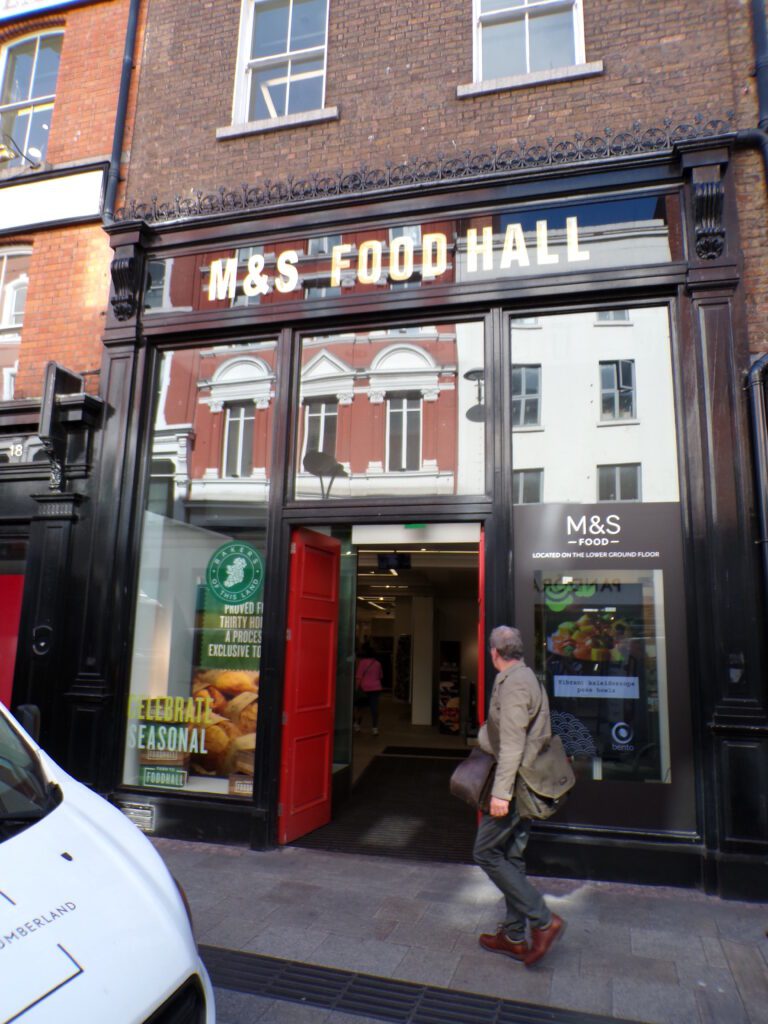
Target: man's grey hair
{"points": [[507, 642]]}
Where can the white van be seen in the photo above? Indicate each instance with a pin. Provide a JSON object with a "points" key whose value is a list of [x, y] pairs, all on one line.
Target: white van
{"points": [[92, 926]]}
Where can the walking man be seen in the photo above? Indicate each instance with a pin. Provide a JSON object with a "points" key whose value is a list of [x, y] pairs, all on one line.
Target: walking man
{"points": [[518, 717]]}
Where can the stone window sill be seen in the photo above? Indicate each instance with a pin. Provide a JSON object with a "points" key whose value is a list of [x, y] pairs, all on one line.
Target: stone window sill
{"points": [[567, 74], [273, 124]]}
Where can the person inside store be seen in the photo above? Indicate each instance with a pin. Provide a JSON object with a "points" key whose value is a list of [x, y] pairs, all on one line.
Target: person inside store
{"points": [[368, 676], [518, 717]]}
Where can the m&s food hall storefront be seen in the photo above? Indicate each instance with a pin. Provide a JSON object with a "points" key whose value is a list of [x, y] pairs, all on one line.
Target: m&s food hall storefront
{"points": [[399, 410]]}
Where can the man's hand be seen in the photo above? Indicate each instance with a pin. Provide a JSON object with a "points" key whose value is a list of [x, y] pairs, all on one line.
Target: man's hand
{"points": [[498, 807]]}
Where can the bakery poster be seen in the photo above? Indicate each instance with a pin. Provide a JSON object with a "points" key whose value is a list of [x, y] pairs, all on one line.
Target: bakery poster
{"points": [[596, 643], [210, 733]]}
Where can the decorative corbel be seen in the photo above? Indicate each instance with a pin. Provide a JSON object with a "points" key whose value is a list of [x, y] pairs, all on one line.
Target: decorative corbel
{"points": [[125, 271], [709, 197]]}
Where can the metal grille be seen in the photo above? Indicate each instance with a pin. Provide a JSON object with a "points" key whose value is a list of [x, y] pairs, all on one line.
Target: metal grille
{"points": [[370, 996]]}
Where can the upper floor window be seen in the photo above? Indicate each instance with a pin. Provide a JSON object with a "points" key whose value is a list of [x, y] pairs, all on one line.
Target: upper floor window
{"points": [[320, 427], [613, 316], [617, 389], [527, 486], [282, 67], [526, 396], [404, 434], [518, 37], [30, 68], [238, 439], [619, 483], [14, 277]]}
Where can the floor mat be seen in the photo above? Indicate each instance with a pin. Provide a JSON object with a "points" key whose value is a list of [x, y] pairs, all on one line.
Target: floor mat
{"points": [[454, 752], [401, 807]]}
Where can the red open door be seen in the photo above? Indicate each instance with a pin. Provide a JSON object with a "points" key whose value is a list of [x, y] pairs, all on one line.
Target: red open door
{"points": [[310, 685], [11, 592]]}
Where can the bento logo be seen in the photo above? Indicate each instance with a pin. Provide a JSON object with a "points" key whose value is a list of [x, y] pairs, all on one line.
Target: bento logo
{"points": [[235, 572], [622, 735], [594, 530]]}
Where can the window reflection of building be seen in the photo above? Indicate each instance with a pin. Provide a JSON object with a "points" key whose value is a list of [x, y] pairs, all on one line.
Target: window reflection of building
{"points": [[592, 384], [398, 422]]}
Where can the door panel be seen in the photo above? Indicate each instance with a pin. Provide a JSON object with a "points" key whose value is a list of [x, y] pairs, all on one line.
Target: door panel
{"points": [[11, 590], [310, 685]]}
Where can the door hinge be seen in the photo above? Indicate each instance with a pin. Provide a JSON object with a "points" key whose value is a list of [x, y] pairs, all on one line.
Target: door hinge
{"points": [[287, 634], [285, 718], [279, 810], [293, 547]]}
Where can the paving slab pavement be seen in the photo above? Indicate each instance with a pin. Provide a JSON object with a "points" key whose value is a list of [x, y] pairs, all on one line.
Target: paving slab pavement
{"points": [[655, 954]]}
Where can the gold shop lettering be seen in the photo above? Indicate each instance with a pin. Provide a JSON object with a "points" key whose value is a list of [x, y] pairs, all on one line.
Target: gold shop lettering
{"points": [[371, 259]]}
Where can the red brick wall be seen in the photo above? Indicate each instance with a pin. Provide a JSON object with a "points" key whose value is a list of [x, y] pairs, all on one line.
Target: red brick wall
{"points": [[393, 71], [64, 315]]}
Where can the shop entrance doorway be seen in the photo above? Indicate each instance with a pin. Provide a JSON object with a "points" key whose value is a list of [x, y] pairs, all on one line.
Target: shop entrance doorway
{"points": [[12, 562], [410, 601]]}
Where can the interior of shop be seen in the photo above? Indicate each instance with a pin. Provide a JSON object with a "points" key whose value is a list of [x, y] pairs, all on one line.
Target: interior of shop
{"points": [[411, 603]]}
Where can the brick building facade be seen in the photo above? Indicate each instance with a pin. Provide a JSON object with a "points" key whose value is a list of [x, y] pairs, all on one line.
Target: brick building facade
{"points": [[482, 318]]}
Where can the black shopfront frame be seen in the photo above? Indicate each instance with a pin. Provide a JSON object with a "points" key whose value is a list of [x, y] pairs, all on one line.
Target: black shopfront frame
{"points": [[726, 851]]}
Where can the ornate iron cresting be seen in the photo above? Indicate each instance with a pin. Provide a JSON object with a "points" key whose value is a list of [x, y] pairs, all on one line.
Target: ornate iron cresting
{"points": [[125, 280], [415, 172], [708, 219]]}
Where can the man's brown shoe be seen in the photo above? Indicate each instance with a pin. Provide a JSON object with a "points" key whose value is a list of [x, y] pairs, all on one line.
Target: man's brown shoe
{"points": [[501, 943], [542, 939]]}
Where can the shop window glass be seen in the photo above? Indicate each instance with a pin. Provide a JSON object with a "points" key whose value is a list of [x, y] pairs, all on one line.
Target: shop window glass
{"points": [[517, 37], [195, 664], [404, 416], [599, 571], [526, 395], [283, 59], [27, 94], [617, 389]]}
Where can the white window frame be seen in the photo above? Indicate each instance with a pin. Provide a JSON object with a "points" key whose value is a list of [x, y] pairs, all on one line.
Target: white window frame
{"points": [[243, 407], [246, 65], [404, 412], [522, 9], [329, 409], [34, 103], [11, 331], [612, 316]]}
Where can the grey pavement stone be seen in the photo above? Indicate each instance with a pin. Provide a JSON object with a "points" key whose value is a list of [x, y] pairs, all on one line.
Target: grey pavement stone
{"points": [[427, 967], [620, 965], [425, 933], [757, 1012], [369, 956], [720, 1008], [660, 945], [234, 930], [398, 908], [336, 1017], [574, 991], [708, 979], [713, 951], [742, 922], [289, 942], [592, 937], [240, 1007], [749, 971], [654, 1002], [502, 977]]}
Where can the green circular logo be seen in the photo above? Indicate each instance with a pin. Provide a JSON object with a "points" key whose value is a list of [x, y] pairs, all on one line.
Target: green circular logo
{"points": [[235, 572]]}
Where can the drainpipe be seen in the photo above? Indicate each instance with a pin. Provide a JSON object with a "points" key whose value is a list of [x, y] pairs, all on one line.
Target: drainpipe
{"points": [[113, 178], [757, 407]]}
